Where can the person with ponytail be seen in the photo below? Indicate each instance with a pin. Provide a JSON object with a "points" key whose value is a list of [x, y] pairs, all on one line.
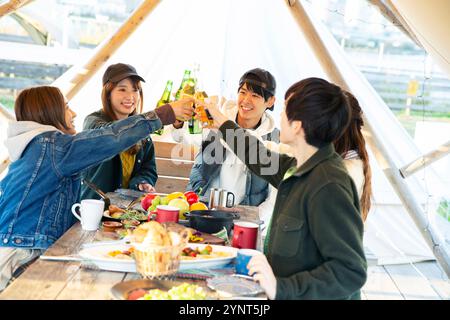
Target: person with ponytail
{"points": [[314, 243], [352, 147]]}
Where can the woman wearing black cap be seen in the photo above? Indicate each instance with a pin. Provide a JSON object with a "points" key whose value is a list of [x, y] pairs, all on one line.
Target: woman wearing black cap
{"points": [[134, 168], [213, 169]]}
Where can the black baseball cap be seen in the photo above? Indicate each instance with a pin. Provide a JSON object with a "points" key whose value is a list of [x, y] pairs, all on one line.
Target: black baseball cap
{"points": [[261, 78], [119, 71]]}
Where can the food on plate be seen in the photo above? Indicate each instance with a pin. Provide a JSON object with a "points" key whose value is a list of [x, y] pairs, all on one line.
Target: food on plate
{"points": [[111, 226], [191, 197], [146, 202], [195, 237], [189, 252], [198, 206], [123, 214], [136, 294], [133, 215], [205, 252], [176, 227], [114, 209], [122, 233], [130, 223], [181, 204], [152, 233], [116, 215], [184, 291], [122, 254]]}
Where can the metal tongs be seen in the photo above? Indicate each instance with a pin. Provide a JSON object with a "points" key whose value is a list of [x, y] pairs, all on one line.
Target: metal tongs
{"points": [[99, 192]]}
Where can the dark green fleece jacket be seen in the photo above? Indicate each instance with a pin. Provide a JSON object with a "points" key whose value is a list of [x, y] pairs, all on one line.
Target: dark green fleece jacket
{"points": [[108, 175], [315, 241]]}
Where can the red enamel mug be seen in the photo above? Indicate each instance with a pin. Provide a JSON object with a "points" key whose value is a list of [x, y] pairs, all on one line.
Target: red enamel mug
{"points": [[167, 213], [245, 235]]}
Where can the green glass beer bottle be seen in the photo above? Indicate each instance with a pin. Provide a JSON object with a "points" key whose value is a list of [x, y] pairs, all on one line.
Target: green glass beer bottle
{"points": [[189, 90], [186, 77], [165, 99]]}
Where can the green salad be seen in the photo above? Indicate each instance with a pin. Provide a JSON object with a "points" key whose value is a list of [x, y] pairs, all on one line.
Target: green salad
{"points": [[133, 215], [184, 291]]}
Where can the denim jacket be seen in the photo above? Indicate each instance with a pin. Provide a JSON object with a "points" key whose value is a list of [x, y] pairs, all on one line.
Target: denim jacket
{"points": [[43, 180]]}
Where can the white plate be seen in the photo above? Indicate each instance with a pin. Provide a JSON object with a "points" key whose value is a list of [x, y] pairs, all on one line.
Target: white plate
{"points": [[99, 256], [234, 285], [208, 263]]}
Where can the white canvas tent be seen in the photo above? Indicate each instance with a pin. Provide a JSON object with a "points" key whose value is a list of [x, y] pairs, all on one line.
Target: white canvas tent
{"points": [[228, 37]]}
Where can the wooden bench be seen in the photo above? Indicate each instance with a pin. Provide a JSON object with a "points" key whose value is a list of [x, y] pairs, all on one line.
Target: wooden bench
{"points": [[173, 163]]}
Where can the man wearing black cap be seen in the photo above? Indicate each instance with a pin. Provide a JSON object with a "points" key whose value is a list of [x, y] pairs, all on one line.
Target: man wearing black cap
{"points": [[212, 169]]}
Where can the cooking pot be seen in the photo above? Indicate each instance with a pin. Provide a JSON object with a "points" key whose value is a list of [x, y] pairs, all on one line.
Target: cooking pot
{"points": [[211, 221]]}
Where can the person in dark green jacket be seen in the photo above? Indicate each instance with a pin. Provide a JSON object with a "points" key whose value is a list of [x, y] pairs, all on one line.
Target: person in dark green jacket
{"points": [[134, 168], [314, 245]]}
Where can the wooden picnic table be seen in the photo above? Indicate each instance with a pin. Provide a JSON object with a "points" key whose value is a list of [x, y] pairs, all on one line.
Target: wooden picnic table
{"points": [[63, 280], [68, 280]]}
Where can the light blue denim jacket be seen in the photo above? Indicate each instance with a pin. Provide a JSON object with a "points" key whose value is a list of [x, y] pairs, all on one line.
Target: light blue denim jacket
{"points": [[40, 187]]}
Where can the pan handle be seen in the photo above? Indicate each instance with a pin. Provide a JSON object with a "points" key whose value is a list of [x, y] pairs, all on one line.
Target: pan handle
{"points": [[187, 214]]}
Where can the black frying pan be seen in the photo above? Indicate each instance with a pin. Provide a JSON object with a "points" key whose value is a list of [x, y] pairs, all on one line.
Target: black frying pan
{"points": [[211, 221]]}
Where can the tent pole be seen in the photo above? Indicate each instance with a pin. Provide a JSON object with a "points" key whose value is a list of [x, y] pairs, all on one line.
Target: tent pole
{"points": [[425, 160], [388, 10], [5, 114], [109, 47], [382, 155], [12, 6]]}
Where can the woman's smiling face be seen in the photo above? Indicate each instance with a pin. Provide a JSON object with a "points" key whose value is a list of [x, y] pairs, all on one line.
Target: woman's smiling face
{"points": [[69, 116], [124, 98]]}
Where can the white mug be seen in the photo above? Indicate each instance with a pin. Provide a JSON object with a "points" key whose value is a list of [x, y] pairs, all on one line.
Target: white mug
{"points": [[91, 213]]}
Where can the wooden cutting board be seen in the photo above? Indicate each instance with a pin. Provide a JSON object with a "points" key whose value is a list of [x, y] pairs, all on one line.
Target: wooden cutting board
{"points": [[210, 239]]}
